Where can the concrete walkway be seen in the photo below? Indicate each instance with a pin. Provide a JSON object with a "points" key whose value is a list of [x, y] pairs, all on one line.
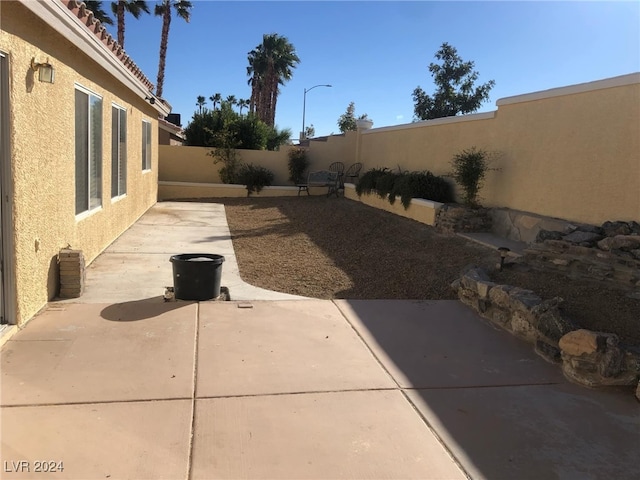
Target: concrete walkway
{"points": [[124, 385]]}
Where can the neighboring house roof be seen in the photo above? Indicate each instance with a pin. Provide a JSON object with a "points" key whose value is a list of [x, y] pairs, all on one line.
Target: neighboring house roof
{"points": [[171, 128], [72, 20]]}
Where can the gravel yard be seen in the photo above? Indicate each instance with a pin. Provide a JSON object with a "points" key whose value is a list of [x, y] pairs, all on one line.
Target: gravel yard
{"points": [[336, 248]]}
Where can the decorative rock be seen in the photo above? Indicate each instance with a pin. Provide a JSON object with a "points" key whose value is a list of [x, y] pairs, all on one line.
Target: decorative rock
{"points": [[523, 300], [499, 295], [579, 342], [549, 322], [548, 351], [611, 229], [635, 253], [548, 235], [591, 229], [620, 242], [580, 237], [638, 391]]}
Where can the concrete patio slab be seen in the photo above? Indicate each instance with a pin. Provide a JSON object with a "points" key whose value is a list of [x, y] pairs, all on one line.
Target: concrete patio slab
{"points": [[444, 344], [185, 215], [340, 435], [281, 347], [114, 277], [175, 239], [534, 432], [96, 353], [137, 265], [141, 440]]}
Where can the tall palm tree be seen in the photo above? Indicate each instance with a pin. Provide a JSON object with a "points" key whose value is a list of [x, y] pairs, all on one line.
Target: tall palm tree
{"points": [[200, 102], [215, 99], [242, 103], [270, 64], [99, 14], [231, 100], [120, 7], [163, 9]]}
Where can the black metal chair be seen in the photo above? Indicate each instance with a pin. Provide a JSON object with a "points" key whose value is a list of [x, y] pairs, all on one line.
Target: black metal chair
{"points": [[339, 168], [353, 172]]}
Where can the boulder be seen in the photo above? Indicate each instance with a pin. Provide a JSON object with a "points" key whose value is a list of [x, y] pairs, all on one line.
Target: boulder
{"points": [[579, 342], [611, 229], [620, 242], [581, 238]]}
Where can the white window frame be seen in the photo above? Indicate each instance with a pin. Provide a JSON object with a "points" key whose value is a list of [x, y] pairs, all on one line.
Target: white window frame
{"points": [[118, 152], [146, 145], [99, 167]]}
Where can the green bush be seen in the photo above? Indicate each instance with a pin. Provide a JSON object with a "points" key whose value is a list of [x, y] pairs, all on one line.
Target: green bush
{"points": [[421, 185], [469, 169], [367, 182], [254, 177], [406, 185], [298, 163]]}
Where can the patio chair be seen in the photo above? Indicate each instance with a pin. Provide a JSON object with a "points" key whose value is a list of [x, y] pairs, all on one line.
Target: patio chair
{"points": [[338, 167], [353, 172]]}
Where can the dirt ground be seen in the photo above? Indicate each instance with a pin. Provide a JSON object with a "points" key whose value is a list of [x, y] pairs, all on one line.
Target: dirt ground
{"points": [[336, 248]]}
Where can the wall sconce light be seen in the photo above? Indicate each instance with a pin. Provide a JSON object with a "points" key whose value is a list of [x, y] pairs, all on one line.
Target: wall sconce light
{"points": [[151, 100], [46, 72]]}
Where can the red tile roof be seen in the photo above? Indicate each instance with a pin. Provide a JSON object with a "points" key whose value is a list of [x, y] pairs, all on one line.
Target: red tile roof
{"points": [[96, 27]]}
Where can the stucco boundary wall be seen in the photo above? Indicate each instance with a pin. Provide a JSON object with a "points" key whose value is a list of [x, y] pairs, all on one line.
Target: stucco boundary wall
{"points": [[194, 165], [571, 153]]}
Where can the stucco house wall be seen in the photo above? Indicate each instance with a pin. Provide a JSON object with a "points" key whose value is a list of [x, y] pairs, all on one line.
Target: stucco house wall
{"points": [[42, 150]]}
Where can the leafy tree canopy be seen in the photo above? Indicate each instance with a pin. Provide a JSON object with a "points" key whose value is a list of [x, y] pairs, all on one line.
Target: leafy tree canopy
{"points": [[225, 128], [456, 92], [347, 121]]}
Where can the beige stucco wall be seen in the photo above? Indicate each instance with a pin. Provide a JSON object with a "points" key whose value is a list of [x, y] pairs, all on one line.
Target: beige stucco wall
{"points": [[43, 156], [574, 156]]}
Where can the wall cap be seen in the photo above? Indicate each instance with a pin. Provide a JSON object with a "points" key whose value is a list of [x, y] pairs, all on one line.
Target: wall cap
{"points": [[436, 121], [621, 81]]}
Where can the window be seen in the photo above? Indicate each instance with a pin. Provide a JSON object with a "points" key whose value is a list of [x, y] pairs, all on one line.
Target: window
{"points": [[88, 120], [146, 145], [118, 151]]}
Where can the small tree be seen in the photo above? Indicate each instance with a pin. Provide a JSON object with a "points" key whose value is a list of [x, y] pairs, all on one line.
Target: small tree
{"points": [[309, 131], [347, 121], [469, 169], [455, 92], [227, 154]]}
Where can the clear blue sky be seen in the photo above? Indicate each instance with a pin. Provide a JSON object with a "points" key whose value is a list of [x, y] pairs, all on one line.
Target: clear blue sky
{"points": [[376, 53]]}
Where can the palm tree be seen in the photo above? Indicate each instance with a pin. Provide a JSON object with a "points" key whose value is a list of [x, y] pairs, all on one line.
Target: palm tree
{"points": [[98, 12], [215, 99], [270, 65], [163, 9], [231, 100], [120, 7], [242, 103], [200, 103]]}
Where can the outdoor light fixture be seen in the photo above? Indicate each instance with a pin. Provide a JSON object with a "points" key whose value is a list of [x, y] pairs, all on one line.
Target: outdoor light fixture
{"points": [[503, 253], [151, 100], [304, 104], [46, 73]]}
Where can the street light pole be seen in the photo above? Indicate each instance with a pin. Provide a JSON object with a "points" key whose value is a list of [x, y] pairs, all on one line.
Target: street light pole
{"points": [[304, 106]]}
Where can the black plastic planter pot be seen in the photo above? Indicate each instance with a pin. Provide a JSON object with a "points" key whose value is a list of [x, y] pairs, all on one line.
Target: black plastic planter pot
{"points": [[196, 276]]}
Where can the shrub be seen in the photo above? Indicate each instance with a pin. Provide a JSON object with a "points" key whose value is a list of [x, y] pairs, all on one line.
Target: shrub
{"points": [[469, 169], [254, 177], [406, 185], [367, 182], [385, 183], [298, 163], [421, 185]]}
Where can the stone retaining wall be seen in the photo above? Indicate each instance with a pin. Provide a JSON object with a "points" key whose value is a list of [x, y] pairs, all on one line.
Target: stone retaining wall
{"points": [[608, 253], [454, 218], [589, 358]]}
